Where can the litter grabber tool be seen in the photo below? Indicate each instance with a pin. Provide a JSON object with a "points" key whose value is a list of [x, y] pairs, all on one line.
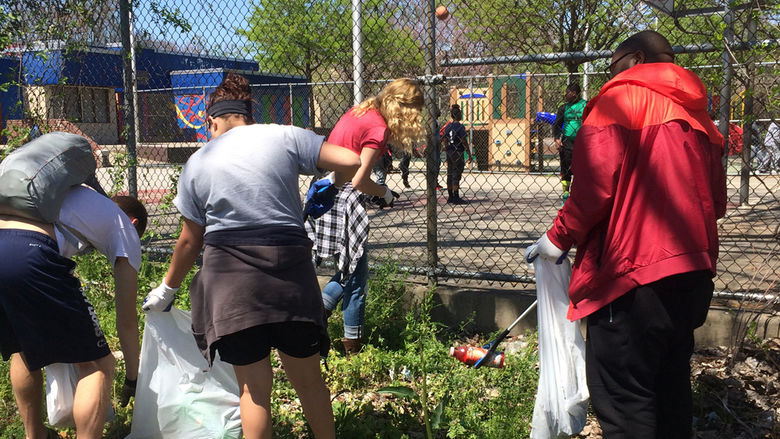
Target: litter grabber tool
{"points": [[491, 347]]}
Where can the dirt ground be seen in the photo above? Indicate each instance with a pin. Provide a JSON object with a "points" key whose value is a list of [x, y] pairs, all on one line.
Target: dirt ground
{"points": [[735, 397]]}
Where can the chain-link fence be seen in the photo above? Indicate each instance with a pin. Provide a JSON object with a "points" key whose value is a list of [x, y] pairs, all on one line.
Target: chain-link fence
{"points": [[134, 78]]}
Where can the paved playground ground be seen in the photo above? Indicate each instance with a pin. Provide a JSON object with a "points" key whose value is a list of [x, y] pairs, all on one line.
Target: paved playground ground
{"points": [[506, 212]]}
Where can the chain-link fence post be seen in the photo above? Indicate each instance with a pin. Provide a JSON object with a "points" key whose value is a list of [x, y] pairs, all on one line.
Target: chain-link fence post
{"points": [[129, 87], [586, 70], [725, 88], [432, 157], [357, 51], [471, 122], [747, 118]]}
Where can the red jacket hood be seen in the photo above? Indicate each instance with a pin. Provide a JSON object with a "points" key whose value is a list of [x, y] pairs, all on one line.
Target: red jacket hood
{"points": [[672, 81]]}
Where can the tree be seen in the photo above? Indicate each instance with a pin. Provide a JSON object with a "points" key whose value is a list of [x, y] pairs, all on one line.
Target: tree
{"points": [[305, 37], [71, 22], [511, 27], [392, 47], [751, 78], [299, 36], [313, 38]]}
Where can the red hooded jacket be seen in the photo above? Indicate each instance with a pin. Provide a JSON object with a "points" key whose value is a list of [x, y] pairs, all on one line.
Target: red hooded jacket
{"points": [[648, 186]]}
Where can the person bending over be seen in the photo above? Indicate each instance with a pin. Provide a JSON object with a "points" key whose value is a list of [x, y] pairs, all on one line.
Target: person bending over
{"points": [[257, 288], [45, 317], [394, 115]]}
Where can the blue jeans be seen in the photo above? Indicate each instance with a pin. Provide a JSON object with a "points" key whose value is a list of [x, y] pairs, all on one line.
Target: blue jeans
{"points": [[352, 293]]}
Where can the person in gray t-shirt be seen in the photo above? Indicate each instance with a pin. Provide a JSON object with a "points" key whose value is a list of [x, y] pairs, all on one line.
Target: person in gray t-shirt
{"points": [[255, 163], [257, 288]]}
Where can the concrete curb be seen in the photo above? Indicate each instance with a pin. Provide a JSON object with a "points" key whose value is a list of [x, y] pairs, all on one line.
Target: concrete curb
{"points": [[487, 310]]}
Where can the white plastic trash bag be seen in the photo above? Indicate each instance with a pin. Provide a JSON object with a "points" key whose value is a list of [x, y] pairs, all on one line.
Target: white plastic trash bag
{"points": [[562, 396], [61, 380], [177, 395]]}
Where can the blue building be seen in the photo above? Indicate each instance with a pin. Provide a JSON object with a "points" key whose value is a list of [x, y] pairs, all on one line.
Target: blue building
{"points": [[83, 90], [281, 99], [10, 99]]}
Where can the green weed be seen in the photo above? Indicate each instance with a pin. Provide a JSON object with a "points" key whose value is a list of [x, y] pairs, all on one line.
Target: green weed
{"points": [[405, 349]]}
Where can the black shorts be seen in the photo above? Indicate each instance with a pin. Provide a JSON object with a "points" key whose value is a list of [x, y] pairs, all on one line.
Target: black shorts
{"points": [[44, 315], [296, 339]]}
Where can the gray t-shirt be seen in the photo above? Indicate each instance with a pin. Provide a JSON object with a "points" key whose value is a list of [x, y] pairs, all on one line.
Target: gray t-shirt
{"points": [[248, 177]]}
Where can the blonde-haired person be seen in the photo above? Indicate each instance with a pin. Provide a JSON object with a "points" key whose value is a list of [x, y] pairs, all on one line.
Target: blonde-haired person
{"points": [[257, 288], [393, 115]]}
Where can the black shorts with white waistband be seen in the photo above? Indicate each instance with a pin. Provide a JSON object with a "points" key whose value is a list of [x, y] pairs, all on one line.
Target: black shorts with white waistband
{"points": [[44, 314]]}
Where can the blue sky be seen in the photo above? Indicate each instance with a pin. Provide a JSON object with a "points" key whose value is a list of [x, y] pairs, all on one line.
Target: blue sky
{"points": [[213, 24]]}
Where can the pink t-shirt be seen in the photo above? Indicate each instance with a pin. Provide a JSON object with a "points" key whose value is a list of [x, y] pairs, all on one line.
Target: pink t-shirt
{"points": [[367, 131]]}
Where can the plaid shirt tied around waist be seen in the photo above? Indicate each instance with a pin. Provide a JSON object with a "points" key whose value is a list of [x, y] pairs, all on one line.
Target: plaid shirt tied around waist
{"points": [[343, 230]]}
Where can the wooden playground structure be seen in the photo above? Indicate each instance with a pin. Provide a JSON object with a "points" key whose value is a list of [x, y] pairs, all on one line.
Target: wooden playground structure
{"points": [[499, 120]]}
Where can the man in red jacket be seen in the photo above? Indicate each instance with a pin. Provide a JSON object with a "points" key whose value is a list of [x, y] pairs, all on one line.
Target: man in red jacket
{"points": [[650, 186]]}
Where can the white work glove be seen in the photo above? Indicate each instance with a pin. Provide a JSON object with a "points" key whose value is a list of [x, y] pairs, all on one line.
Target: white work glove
{"points": [[160, 298], [385, 200], [546, 249]]}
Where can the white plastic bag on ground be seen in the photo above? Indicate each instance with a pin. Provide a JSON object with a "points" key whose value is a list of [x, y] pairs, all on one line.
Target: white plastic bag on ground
{"points": [[177, 395], [562, 396], [61, 380]]}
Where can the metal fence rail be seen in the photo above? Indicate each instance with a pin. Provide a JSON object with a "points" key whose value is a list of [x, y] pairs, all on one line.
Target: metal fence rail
{"points": [[134, 77]]}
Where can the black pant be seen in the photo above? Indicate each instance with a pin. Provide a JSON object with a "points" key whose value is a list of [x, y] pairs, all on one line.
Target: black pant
{"points": [[638, 357], [403, 165], [567, 148], [455, 165]]}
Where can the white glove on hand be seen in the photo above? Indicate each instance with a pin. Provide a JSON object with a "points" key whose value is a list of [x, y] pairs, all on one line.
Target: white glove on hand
{"points": [[160, 298], [388, 196], [546, 249]]}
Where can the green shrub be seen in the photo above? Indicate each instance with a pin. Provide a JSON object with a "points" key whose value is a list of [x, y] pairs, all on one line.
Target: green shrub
{"points": [[386, 306]]}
